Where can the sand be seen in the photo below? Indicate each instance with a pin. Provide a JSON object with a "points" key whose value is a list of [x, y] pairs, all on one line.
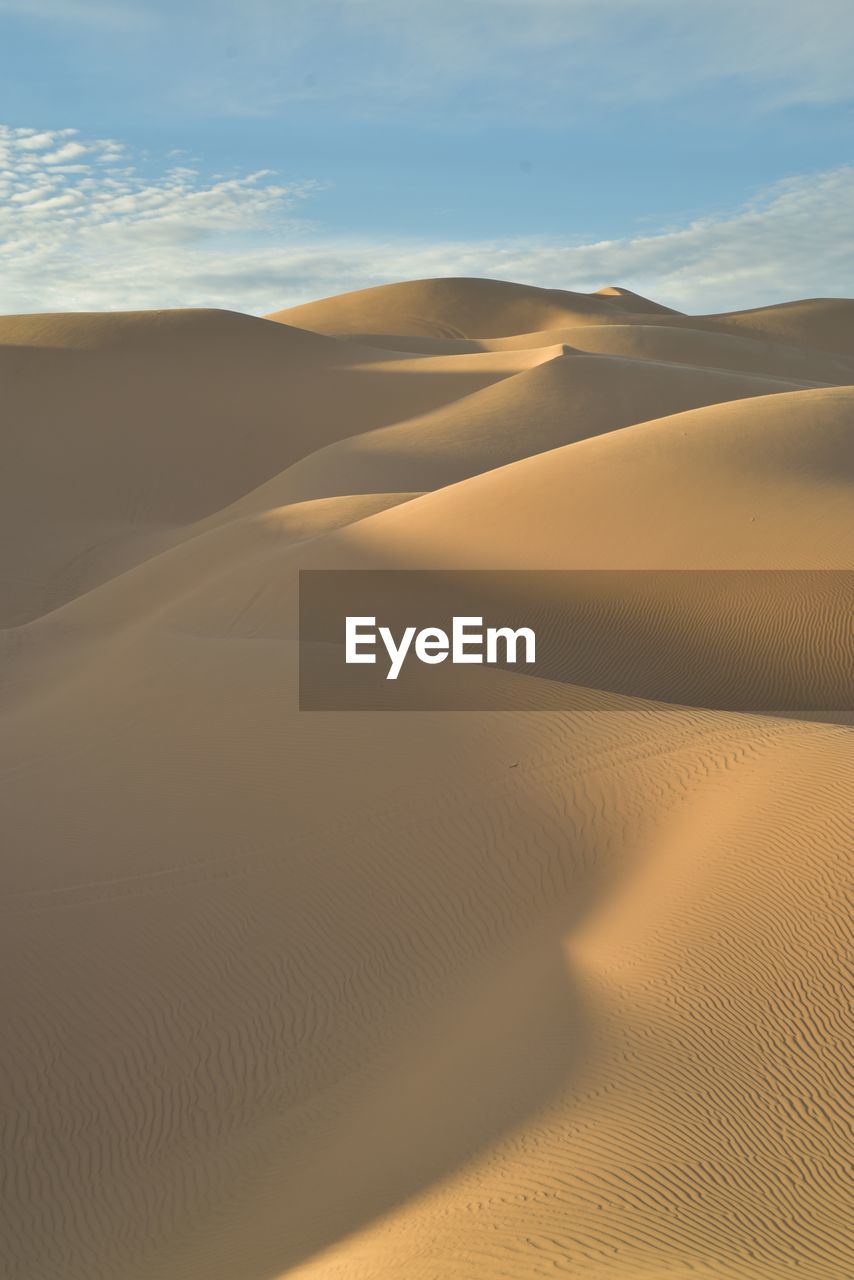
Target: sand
{"points": [[355, 995]]}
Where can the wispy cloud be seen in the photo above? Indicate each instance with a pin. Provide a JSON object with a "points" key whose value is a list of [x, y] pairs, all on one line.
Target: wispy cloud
{"points": [[528, 57], [81, 228], [104, 13], [601, 51]]}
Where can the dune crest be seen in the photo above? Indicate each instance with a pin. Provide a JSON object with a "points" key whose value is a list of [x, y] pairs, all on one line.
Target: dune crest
{"points": [[359, 995]]}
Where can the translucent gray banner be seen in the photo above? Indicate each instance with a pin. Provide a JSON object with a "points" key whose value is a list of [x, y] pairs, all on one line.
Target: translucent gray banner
{"points": [[778, 641]]}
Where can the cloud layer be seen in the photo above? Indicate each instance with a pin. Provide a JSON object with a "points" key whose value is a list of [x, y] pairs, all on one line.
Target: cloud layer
{"points": [[526, 56], [82, 228]]}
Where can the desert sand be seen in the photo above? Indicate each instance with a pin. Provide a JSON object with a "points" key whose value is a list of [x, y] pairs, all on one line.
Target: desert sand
{"points": [[356, 995]]}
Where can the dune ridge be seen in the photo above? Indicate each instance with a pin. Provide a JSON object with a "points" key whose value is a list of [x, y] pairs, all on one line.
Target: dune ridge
{"points": [[358, 995]]}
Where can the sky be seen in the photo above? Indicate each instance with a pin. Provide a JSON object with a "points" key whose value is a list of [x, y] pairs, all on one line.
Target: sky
{"points": [[253, 154]]}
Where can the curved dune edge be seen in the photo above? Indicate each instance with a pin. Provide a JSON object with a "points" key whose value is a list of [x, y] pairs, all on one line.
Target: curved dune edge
{"points": [[362, 996]]}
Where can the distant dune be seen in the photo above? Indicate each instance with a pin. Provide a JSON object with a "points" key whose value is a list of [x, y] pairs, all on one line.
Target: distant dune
{"points": [[445, 997]]}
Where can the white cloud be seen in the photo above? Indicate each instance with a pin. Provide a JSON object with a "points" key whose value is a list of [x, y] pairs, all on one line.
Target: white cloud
{"points": [[106, 237], [70, 151], [35, 141], [100, 234]]}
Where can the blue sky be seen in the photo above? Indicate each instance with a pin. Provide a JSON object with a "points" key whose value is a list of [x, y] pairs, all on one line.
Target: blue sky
{"points": [[255, 154]]}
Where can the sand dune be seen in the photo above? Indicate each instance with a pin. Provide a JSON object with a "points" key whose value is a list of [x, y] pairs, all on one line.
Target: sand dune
{"points": [[254, 395], [463, 308], [568, 398], [701, 348], [460, 308], [751, 484], [362, 995], [634, 301]]}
